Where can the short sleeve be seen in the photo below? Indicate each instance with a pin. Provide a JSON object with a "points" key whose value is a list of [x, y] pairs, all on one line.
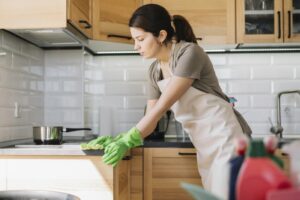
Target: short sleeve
{"points": [[153, 91], [190, 62]]}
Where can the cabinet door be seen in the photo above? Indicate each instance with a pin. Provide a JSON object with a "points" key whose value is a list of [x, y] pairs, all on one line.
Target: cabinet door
{"points": [[292, 20], [259, 21], [111, 19], [80, 15], [32, 14], [213, 21], [165, 169], [136, 174]]}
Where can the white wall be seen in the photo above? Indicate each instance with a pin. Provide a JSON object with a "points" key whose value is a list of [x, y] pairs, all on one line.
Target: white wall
{"points": [[108, 93], [21, 82], [64, 89], [253, 78]]}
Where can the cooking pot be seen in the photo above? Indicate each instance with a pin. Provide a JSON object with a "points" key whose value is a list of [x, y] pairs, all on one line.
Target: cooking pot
{"points": [[52, 134]]}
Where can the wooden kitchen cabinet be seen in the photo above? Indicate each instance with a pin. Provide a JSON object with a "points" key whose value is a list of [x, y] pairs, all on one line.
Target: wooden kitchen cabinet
{"points": [[268, 21], [32, 14], [165, 169], [213, 21], [110, 19], [80, 13], [136, 174]]}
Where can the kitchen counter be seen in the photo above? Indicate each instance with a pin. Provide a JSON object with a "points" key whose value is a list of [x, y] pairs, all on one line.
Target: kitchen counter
{"points": [[72, 147]]}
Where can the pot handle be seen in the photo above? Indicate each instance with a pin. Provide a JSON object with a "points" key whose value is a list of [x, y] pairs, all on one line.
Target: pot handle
{"points": [[76, 129]]}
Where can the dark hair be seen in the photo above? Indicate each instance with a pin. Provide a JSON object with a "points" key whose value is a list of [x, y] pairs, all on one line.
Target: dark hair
{"points": [[153, 18]]}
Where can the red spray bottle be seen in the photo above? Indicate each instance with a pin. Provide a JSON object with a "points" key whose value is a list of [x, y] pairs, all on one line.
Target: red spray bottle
{"points": [[259, 174]]}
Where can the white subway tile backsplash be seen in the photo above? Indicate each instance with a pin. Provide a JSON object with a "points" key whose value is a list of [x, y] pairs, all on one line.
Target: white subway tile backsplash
{"points": [[114, 74], [291, 128], [72, 86], [290, 115], [9, 97], [32, 51], [257, 115], [63, 57], [239, 73], [263, 101], [7, 117], [284, 85], [73, 71], [53, 117], [223, 85], [36, 100], [5, 58], [297, 72], [97, 75], [21, 63], [11, 42], [73, 116], [125, 89], [286, 59], [53, 86], [249, 59], [218, 59], [249, 87], [37, 68], [262, 129], [133, 102], [243, 101], [136, 74], [94, 88], [273, 72]]}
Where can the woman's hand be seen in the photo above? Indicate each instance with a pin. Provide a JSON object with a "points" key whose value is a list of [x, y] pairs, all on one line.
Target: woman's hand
{"points": [[116, 150]]}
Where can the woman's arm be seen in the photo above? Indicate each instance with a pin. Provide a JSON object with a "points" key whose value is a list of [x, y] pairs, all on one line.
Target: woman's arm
{"points": [[150, 104], [173, 91]]}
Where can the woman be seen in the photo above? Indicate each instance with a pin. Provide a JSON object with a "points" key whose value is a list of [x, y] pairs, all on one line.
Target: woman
{"points": [[181, 78]]}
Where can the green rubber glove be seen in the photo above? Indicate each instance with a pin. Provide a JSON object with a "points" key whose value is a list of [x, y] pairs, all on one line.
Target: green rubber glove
{"points": [[116, 150], [100, 142]]}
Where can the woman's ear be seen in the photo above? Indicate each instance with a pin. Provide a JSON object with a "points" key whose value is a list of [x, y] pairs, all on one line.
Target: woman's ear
{"points": [[162, 36]]}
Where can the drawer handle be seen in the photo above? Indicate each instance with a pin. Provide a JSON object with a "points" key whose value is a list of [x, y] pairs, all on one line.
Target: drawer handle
{"points": [[87, 24], [199, 38], [119, 36], [186, 154], [127, 158]]}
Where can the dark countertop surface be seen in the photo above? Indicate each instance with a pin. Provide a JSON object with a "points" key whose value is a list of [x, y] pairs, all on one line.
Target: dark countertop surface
{"points": [[71, 146], [168, 143]]}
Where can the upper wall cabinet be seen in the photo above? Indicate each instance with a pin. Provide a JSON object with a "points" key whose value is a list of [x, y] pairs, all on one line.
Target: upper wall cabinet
{"points": [[32, 14], [110, 19], [212, 21], [80, 15], [268, 21]]}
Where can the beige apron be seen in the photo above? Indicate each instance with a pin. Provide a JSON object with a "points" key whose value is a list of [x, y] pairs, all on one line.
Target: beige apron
{"points": [[212, 126]]}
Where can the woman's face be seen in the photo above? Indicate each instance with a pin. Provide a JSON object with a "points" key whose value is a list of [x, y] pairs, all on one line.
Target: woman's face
{"points": [[145, 43]]}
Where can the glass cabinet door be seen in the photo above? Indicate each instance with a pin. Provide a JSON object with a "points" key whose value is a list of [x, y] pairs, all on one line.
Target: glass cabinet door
{"points": [[259, 17], [292, 20], [259, 21]]}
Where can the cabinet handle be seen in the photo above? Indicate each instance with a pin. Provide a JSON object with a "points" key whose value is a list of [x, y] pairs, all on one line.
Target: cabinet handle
{"points": [[119, 36], [186, 154], [199, 38], [127, 158], [289, 23], [87, 24], [279, 24]]}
